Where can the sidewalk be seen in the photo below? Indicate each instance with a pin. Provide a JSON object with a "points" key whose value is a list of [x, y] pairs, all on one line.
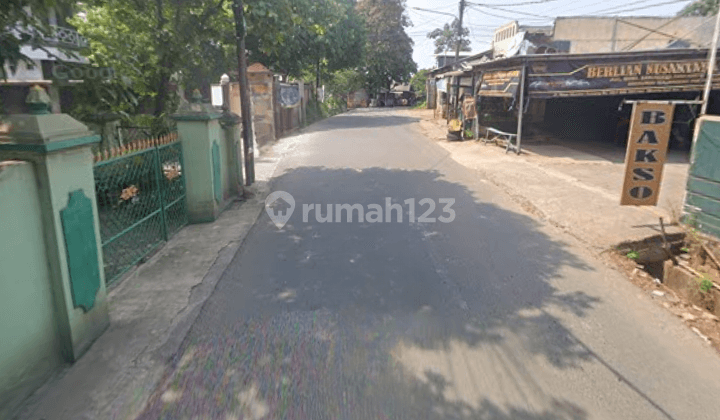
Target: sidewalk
{"points": [[151, 311], [575, 188]]}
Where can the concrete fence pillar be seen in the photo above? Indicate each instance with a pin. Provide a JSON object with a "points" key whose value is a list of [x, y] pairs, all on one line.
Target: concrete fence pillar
{"points": [[260, 82], [199, 130], [60, 149], [231, 125]]}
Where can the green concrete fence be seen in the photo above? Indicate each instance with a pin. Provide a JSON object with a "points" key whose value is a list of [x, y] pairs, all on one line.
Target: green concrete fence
{"points": [[64, 210], [53, 304], [30, 347]]}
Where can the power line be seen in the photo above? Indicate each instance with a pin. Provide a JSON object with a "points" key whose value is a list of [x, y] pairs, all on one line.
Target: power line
{"points": [[648, 6], [432, 11], [707, 20], [576, 8], [611, 9], [520, 13], [544, 18], [513, 4]]}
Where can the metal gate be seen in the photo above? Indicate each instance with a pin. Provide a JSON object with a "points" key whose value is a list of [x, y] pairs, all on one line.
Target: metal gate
{"points": [[140, 192]]}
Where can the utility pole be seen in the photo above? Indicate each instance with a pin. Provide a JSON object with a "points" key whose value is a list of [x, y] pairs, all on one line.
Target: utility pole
{"points": [[459, 31], [245, 105], [711, 66]]}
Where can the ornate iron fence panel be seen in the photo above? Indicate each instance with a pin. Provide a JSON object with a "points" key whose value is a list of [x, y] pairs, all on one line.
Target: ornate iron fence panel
{"points": [[173, 187], [141, 201]]}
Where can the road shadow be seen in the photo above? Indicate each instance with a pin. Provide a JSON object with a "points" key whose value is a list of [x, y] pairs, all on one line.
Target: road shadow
{"points": [[385, 320]]}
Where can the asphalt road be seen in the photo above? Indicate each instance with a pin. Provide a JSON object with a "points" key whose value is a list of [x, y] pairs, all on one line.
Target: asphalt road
{"points": [[493, 315]]}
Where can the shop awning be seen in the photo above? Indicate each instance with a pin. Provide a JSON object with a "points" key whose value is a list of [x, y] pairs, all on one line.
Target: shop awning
{"points": [[572, 75]]}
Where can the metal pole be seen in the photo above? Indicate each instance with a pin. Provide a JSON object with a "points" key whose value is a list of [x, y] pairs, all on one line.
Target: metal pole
{"points": [[459, 31], [521, 97], [711, 66], [245, 105]]}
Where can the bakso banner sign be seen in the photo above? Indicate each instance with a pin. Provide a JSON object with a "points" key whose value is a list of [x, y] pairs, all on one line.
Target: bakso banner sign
{"points": [[646, 153], [574, 78], [503, 83]]}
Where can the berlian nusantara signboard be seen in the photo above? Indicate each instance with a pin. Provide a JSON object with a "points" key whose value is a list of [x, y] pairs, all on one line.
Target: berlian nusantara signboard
{"points": [[646, 151], [503, 83], [576, 78]]}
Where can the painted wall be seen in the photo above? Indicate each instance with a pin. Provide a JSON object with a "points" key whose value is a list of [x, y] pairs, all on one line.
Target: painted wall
{"points": [[197, 138], [595, 34], [29, 347], [702, 200]]}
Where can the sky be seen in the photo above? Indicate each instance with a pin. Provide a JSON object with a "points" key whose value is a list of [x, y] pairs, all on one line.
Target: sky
{"points": [[483, 24]]}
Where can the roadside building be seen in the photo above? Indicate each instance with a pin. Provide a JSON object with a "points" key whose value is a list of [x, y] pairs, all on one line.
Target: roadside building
{"points": [[591, 34], [54, 61], [448, 58], [571, 79]]}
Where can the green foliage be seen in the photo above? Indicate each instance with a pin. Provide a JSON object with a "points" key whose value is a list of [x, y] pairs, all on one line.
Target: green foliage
{"points": [[159, 44], [447, 37], [704, 283], [690, 219], [292, 36], [700, 8], [418, 81], [420, 105], [315, 111], [685, 249], [152, 43], [343, 82], [388, 49], [334, 105], [633, 255]]}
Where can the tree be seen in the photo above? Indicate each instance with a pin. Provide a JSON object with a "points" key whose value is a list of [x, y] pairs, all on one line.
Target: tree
{"points": [[344, 82], [418, 80], [329, 36], [447, 37], [700, 8], [388, 49], [150, 42], [153, 41], [23, 22]]}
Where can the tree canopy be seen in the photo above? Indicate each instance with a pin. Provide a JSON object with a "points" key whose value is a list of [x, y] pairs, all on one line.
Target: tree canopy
{"points": [[152, 42], [700, 8], [418, 80], [388, 49], [292, 36], [447, 37]]}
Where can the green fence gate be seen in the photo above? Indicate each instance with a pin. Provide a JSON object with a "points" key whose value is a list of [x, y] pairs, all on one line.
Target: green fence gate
{"points": [[141, 200]]}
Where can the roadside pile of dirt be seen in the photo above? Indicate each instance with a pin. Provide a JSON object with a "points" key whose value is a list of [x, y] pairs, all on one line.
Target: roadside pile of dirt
{"points": [[681, 272]]}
